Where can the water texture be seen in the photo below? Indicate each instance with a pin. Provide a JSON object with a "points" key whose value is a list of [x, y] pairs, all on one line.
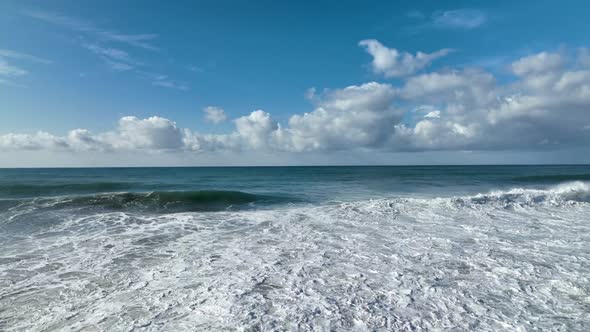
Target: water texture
{"points": [[461, 248]]}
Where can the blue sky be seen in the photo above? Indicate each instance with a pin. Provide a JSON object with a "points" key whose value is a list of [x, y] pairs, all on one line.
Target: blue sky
{"points": [[87, 65]]}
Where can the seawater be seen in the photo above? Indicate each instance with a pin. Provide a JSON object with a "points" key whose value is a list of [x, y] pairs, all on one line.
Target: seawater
{"points": [[460, 248]]}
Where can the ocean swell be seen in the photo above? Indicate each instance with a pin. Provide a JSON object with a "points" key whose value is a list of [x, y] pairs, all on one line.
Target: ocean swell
{"points": [[153, 202]]}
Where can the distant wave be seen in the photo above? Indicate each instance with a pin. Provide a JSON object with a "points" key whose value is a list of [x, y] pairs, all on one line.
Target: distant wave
{"points": [[552, 178], [37, 190], [157, 201]]}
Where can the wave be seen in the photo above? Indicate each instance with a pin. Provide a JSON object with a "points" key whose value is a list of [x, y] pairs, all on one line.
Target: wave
{"points": [[563, 194], [566, 194], [552, 178], [157, 201], [560, 196], [39, 190]]}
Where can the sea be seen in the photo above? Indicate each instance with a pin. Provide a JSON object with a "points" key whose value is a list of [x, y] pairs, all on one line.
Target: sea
{"points": [[383, 248]]}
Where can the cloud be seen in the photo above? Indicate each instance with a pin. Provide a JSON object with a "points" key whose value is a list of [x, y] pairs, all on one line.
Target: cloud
{"points": [[165, 82], [214, 114], [256, 129], [8, 71], [459, 88], [356, 116], [152, 133], [99, 42], [195, 69], [22, 56], [137, 40], [459, 18], [447, 110], [537, 64], [162, 80], [432, 114], [392, 63], [115, 58]]}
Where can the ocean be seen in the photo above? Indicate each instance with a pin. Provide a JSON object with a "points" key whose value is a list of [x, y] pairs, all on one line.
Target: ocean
{"points": [[402, 248]]}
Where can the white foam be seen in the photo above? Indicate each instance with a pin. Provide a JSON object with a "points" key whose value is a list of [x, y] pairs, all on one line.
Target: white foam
{"points": [[402, 264], [566, 193]]}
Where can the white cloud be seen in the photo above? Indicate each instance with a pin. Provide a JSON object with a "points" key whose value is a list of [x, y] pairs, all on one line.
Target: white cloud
{"points": [[214, 114], [584, 57], [537, 64], [459, 18], [256, 128], [356, 116], [432, 114], [8, 70], [137, 40], [170, 84], [460, 90], [162, 80], [22, 56], [393, 63], [464, 109], [37, 141], [152, 133], [115, 58]]}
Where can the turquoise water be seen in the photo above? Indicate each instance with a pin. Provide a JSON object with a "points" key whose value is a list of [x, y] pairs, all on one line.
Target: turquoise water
{"points": [[296, 248]]}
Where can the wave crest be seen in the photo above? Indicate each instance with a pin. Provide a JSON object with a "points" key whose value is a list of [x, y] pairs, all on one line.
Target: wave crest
{"points": [[160, 201], [563, 194]]}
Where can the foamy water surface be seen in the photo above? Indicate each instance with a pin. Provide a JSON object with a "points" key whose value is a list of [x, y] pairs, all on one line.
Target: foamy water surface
{"points": [[513, 260]]}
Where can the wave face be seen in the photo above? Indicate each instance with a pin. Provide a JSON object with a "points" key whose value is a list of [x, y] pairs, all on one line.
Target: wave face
{"points": [[152, 202], [508, 259]]}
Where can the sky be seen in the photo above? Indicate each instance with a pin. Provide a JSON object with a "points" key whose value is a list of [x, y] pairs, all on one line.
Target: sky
{"points": [[191, 83]]}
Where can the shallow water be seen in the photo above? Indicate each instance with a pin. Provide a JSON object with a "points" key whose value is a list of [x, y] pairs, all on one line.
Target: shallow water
{"points": [[347, 248]]}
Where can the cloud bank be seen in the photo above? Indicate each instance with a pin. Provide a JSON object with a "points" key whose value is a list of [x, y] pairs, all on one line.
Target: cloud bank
{"points": [[545, 105]]}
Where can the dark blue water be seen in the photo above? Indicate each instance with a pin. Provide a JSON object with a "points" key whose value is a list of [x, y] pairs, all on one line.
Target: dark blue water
{"points": [[311, 184]]}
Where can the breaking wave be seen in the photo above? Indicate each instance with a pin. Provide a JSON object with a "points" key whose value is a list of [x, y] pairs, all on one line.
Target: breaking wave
{"points": [[156, 201], [563, 194]]}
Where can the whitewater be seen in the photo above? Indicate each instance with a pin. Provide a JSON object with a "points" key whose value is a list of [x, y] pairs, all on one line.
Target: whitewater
{"points": [[515, 259]]}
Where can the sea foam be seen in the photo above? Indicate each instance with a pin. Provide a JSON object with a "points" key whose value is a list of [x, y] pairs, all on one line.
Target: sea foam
{"points": [[515, 259]]}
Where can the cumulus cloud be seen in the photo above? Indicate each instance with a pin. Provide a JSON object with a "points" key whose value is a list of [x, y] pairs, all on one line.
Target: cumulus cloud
{"points": [[545, 106], [393, 63], [356, 116], [537, 64], [214, 114]]}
